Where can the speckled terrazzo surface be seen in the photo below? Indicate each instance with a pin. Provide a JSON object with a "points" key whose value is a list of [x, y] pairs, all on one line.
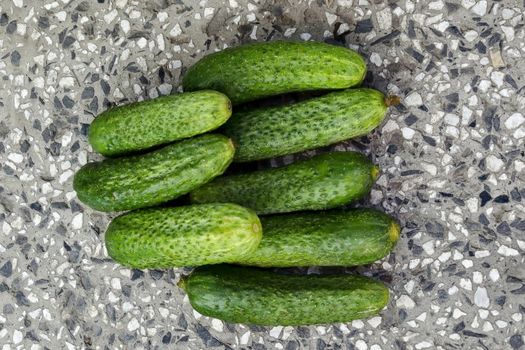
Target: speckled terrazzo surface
{"points": [[452, 157]]}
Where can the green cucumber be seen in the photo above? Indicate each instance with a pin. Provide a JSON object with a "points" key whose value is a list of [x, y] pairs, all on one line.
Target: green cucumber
{"points": [[148, 179], [249, 72], [333, 238], [183, 236], [255, 296], [274, 131], [145, 124], [321, 182]]}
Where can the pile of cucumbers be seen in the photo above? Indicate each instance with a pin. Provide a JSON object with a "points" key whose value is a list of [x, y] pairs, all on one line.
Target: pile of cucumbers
{"points": [[236, 227]]}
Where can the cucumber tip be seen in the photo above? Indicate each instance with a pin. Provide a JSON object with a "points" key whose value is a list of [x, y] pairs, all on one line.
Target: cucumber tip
{"points": [[375, 172], [182, 283], [394, 231]]}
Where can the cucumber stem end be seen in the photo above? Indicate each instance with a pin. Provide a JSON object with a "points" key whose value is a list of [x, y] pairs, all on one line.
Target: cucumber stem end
{"points": [[392, 100], [375, 172], [394, 231], [182, 283]]}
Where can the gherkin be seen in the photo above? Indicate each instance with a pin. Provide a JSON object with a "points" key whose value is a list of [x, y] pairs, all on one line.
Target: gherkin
{"points": [[321, 182], [249, 72], [274, 131]]}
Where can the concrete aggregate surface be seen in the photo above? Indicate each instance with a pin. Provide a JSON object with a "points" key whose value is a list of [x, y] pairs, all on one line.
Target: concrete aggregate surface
{"points": [[452, 157]]}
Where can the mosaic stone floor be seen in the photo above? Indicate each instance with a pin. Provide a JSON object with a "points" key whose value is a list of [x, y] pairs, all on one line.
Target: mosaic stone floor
{"points": [[452, 157]]}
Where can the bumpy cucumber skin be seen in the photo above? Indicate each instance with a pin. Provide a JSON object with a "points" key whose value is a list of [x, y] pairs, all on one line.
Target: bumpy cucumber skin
{"points": [[145, 124], [333, 238], [321, 182], [250, 72], [254, 296], [183, 236], [145, 180], [269, 132]]}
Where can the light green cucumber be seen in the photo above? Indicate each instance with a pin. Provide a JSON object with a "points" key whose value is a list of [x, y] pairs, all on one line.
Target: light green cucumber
{"points": [[142, 125], [148, 179], [183, 236]]}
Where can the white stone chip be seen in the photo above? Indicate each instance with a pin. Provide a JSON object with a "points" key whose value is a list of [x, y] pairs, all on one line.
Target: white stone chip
{"points": [[424, 345], [61, 16], [457, 313], [305, 36], [470, 35], [477, 277], [160, 42], [142, 42], [115, 283], [480, 8], [375, 321], [384, 18], [330, 18], [361, 345], [110, 16], [208, 12], [472, 204], [509, 32], [127, 307], [481, 297], [17, 337], [66, 82], [494, 275], [125, 26], [357, 324], [414, 99], [494, 164], [217, 325], [465, 283], [507, 251], [133, 325], [245, 338], [514, 121], [497, 78], [15, 157], [405, 301], [487, 327], [275, 332], [76, 222], [408, 133], [451, 119], [176, 30], [376, 59]]}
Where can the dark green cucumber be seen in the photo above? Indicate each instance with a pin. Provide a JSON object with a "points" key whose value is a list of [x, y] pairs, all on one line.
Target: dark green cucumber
{"points": [[321, 182], [183, 236], [333, 238], [249, 72], [274, 131], [145, 180], [254, 296], [145, 124]]}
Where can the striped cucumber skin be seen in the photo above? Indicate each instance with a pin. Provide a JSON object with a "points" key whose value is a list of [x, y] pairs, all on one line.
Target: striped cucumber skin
{"points": [[332, 238], [183, 236], [255, 296], [249, 72], [142, 125], [321, 182], [274, 131], [148, 179]]}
